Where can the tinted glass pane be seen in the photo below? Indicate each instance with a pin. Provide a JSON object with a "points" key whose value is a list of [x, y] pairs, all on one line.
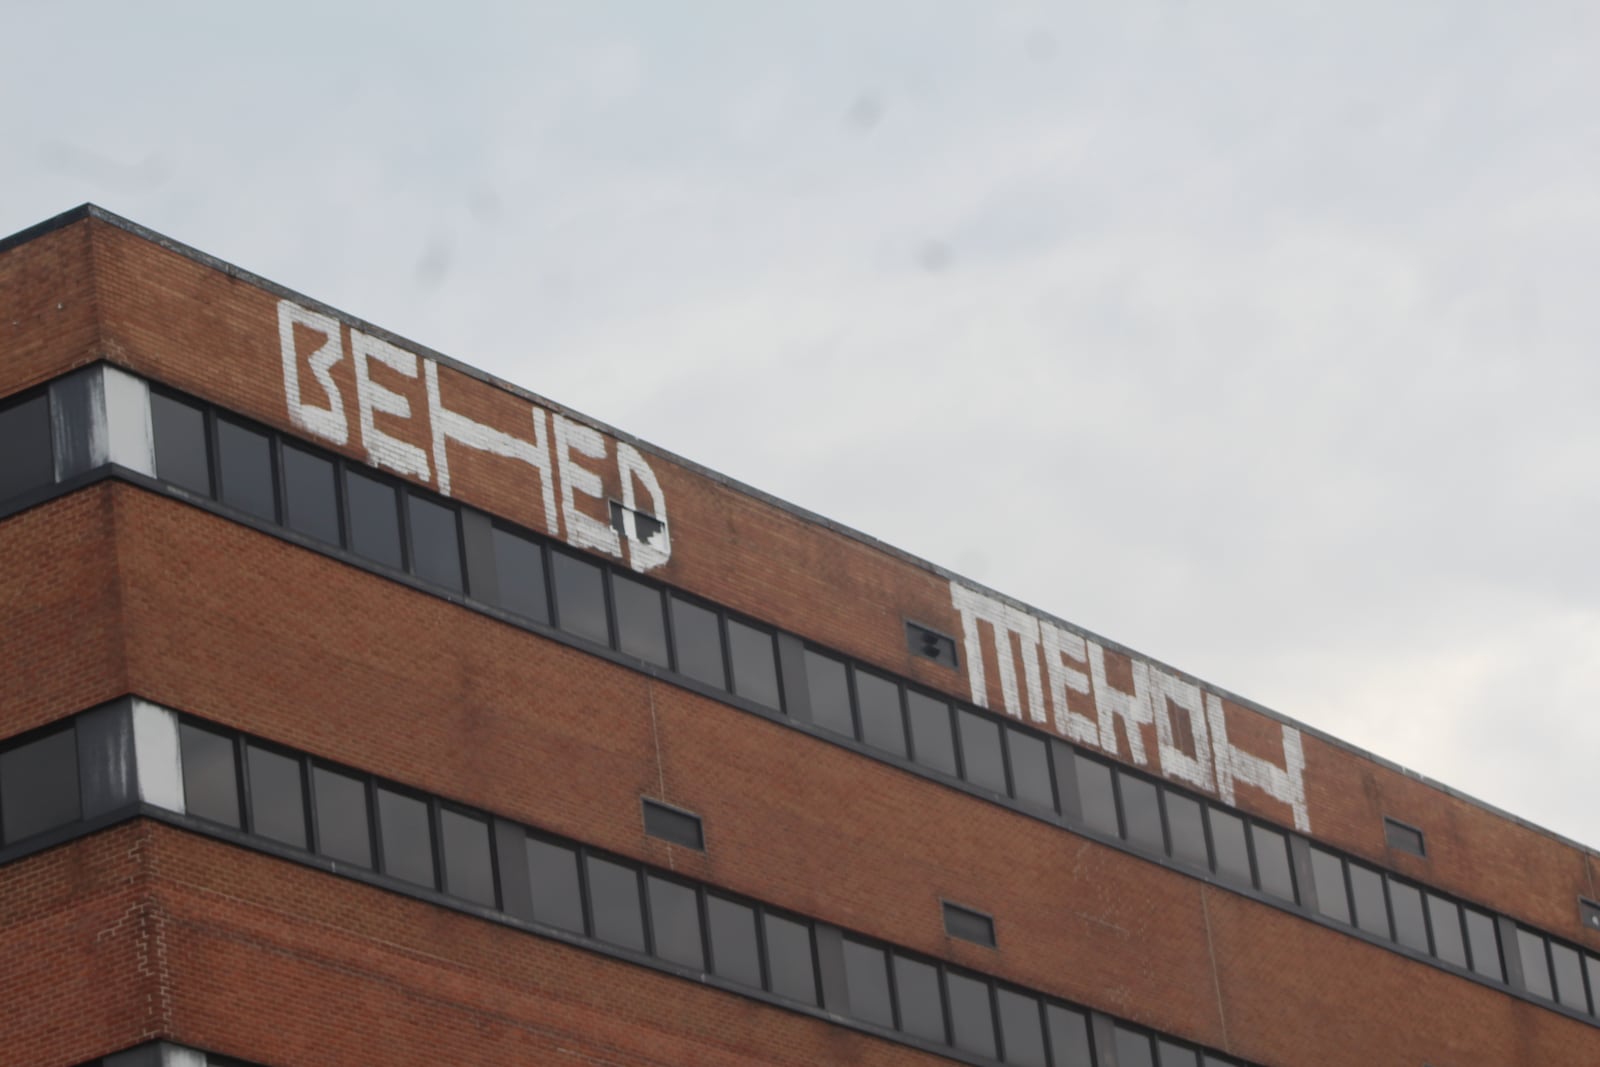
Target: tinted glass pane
{"points": [[1069, 1036], [1404, 838], [1410, 928], [735, 954], [553, 876], [342, 821], [1535, 968], [1483, 944], [879, 701], [1272, 862], [1591, 966], [1227, 841], [982, 762], [1175, 1055], [697, 643], [580, 597], [244, 469], [1445, 918], [1030, 770], [1568, 968], [830, 694], [971, 1018], [1095, 796], [789, 963], [1021, 1031], [1141, 812], [968, 925], [180, 433], [1133, 1049], [866, 976], [405, 837], [277, 796], [916, 985], [1327, 871], [1187, 828], [675, 923], [374, 518], [641, 620], [310, 502], [1366, 894], [614, 902], [210, 778], [435, 542], [519, 570], [755, 664], [679, 827], [26, 460], [468, 868], [933, 739], [39, 785]]}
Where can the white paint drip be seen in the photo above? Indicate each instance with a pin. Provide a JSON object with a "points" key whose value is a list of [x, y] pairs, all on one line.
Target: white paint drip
{"points": [[328, 423], [158, 761], [383, 449]]}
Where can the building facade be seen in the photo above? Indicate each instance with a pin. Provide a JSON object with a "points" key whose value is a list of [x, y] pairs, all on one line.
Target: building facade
{"points": [[359, 708]]}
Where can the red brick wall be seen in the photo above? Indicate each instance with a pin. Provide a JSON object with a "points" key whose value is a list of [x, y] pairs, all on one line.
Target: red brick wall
{"points": [[49, 318]]}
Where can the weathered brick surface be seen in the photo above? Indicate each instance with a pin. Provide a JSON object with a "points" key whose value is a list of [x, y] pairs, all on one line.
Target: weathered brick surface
{"points": [[49, 317]]}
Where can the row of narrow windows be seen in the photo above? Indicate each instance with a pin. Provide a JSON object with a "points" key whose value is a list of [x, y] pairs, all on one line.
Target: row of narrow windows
{"points": [[330, 499]]}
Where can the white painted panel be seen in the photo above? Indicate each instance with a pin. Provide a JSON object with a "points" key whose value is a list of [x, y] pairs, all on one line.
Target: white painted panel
{"points": [[129, 440], [156, 756], [175, 1056]]}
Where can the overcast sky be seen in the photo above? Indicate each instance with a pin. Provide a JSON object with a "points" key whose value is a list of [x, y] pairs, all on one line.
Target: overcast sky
{"points": [[1260, 338]]}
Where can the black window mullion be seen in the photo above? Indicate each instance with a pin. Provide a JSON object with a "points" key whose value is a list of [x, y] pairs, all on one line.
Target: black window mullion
{"points": [[213, 453], [855, 702], [608, 604], [1161, 814], [1205, 834], [727, 649], [406, 554], [247, 807], [1250, 851], [436, 844], [1011, 782], [994, 1021], [762, 954], [1388, 908], [648, 924], [342, 502], [946, 1012], [308, 797], [585, 901]]}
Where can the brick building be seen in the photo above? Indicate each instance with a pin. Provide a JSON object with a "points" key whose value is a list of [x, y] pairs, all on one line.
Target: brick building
{"points": [[358, 708]]}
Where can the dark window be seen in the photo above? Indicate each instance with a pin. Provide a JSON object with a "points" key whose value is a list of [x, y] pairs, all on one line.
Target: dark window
{"points": [[1410, 928], [553, 878], [1589, 912], [26, 457], [916, 987], [675, 923], [1567, 966], [1483, 942], [519, 570], [1069, 1037], [789, 964], [933, 742], [1366, 894], [879, 701], [641, 620], [435, 542], [343, 827], [930, 644], [580, 597], [210, 775], [1327, 871], [1272, 862], [180, 433], [1187, 827], [277, 796], [1095, 796], [468, 863], [614, 902], [968, 925], [669, 824], [406, 839], [971, 1017], [1141, 812], [1535, 968], [982, 762], [735, 953], [1445, 919], [1176, 1055], [1030, 770], [244, 469], [1228, 842], [1133, 1048], [696, 639], [39, 785], [866, 977], [1591, 966], [310, 499], [830, 694], [755, 664], [1402, 837], [1021, 1028], [374, 509]]}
